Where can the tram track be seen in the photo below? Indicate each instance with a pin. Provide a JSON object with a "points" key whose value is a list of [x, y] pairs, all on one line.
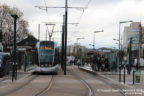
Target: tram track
{"points": [[21, 86], [67, 85], [76, 82], [31, 87], [101, 79], [49, 86], [46, 88], [113, 86], [3, 79], [90, 89], [108, 83]]}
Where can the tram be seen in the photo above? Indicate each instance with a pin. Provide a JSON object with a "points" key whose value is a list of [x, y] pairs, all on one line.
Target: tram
{"points": [[47, 57]]}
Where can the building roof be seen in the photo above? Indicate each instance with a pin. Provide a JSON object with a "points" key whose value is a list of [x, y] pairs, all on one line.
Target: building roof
{"points": [[29, 41]]}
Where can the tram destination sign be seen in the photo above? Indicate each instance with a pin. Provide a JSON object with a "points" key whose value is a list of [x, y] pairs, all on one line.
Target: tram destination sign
{"points": [[46, 48]]}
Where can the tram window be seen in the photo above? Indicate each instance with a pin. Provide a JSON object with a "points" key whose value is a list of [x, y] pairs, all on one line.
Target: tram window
{"points": [[46, 52], [46, 55]]}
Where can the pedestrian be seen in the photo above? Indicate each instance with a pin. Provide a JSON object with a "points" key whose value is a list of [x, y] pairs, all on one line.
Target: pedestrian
{"points": [[99, 63], [75, 61], [94, 63], [106, 64], [71, 62], [103, 65]]}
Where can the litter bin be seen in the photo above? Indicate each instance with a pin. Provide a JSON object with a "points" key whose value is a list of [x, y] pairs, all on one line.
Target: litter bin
{"points": [[137, 76]]}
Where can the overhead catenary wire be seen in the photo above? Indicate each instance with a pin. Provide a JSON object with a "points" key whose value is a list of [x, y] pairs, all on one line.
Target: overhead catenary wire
{"points": [[46, 7], [84, 10], [46, 10], [86, 6], [88, 3]]}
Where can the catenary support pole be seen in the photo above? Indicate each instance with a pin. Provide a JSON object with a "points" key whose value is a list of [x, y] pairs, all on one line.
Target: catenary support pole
{"points": [[63, 40], [66, 15], [119, 56]]}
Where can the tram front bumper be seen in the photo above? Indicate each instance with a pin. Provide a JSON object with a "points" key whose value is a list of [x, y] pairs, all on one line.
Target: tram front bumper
{"points": [[47, 69]]}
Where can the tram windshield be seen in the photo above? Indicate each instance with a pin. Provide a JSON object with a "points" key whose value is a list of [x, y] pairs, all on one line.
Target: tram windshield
{"points": [[46, 53]]}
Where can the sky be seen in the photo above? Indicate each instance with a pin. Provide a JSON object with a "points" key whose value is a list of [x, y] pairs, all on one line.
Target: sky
{"points": [[100, 15]]}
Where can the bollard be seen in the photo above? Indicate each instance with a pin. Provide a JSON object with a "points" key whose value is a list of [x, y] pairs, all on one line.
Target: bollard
{"points": [[133, 77], [137, 75], [124, 74]]}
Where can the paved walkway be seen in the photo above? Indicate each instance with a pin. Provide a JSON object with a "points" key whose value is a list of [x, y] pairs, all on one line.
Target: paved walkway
{"points": [[115, 77], [7, 79]]}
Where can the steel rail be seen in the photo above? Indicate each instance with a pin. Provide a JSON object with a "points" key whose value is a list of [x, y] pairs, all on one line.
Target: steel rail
{"points": [[120, 90], [46, 88], [91, 92], [20, 87], [106, 82], [3, 79]]}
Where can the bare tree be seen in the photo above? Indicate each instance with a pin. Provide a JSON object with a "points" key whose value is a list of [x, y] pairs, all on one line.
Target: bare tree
{"points": [[6, 25]]}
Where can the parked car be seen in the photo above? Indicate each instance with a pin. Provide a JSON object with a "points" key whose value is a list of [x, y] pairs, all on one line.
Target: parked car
{"points": [[5, 63]]}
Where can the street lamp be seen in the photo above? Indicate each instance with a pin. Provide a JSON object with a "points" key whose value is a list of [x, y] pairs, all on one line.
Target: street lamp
{"points": [[79, 39], [80, 49], [14, 73], [119, 48], [94, 38], [115, 39], [126, 21]]}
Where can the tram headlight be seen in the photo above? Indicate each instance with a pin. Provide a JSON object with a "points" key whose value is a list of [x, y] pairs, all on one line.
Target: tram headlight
{"points": [[41, 65], [46, 65], [50, 65]]}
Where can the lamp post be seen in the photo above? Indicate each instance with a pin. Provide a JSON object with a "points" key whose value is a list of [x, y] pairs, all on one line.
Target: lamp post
{"points": [[120, 63], [139, 47], [79, 39], [117, 58], [80, 50], [14, 75], [94, 38]]}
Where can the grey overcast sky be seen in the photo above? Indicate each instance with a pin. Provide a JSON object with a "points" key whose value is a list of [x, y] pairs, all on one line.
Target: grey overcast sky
{"points": [[101, 14]]}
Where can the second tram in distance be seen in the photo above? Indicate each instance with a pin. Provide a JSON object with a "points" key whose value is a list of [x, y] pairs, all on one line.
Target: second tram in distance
{"points": [[47, 57]]}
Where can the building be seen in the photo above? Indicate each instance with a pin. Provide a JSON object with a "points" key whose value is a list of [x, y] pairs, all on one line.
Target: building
{"points": [[133, 31], [76, 50], [73, 50], [26, 52]]}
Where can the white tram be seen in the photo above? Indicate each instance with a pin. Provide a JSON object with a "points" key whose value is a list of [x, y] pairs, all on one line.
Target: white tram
{"points": [[47, 57]]}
